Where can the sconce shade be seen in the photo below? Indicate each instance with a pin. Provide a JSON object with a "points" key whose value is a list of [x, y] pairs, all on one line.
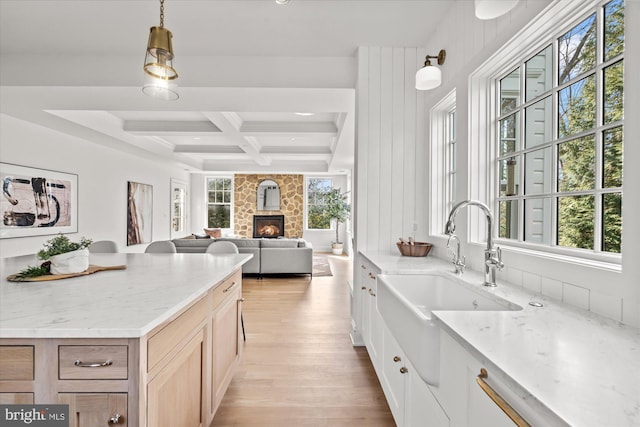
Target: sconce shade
{"points": [[428, 77], [158, 61], [490, 9]]}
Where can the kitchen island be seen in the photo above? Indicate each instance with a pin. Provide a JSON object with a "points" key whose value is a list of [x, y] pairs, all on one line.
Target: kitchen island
{"points": [[155, 344]]}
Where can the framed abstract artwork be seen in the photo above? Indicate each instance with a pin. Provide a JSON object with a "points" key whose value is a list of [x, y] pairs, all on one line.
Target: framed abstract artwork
{"points": [[37, 202], [139, 213]]}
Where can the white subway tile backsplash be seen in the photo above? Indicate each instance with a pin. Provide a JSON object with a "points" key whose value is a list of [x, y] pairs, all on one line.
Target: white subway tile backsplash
{"points": [[551, 288], [606, 305], [514, 276], [575, 295], [531, 282]]}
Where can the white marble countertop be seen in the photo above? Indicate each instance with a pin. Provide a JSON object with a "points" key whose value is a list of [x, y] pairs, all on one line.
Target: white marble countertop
{"points": [[110, 304], [582, 367]]}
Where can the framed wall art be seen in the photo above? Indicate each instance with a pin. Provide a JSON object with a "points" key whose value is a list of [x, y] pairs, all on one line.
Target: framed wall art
{"points": [[139, 213], [37, 201]]}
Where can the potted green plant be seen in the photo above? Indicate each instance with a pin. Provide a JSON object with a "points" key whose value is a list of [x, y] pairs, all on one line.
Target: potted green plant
{"points": [[66, 256], [61, 256], [336, 208]]}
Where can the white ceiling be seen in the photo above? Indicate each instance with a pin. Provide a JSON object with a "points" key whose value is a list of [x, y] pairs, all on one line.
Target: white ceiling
{"points": [[246, 68]]}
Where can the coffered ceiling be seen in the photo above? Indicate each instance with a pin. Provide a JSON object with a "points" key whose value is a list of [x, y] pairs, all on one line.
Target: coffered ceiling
{"points": [[262, 86]]}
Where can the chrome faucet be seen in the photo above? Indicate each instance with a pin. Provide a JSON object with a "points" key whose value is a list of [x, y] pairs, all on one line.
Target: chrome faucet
{"points": [[458, 261], [492, 255]]}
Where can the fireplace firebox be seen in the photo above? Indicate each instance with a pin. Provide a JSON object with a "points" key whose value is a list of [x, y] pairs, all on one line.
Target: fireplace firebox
{"points": [[268, 226]]}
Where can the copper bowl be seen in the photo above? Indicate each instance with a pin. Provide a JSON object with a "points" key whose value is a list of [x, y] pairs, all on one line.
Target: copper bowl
{"points": [[417, 249]]}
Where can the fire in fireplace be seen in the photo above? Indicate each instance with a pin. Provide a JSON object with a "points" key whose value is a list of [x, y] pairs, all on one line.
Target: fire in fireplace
{"points": [[268, 225]]}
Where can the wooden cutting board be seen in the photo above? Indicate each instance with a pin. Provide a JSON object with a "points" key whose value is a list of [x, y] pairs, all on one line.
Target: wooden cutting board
{"points": [[92, 269]]}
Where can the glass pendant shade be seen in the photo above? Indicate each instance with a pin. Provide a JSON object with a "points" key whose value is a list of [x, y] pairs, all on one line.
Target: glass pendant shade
{"points": [[160, 88], [490, 9], [428, 77]]}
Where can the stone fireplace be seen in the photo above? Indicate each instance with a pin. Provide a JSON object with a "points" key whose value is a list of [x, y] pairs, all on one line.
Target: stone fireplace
{"points": [[268, 226], [246, 203]]}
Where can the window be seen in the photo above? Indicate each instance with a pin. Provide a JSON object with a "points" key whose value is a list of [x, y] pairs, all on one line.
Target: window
{"points": [[450, 168], [559, 135], [178, 207], [315, 204], [219, 192], [443, 161]]}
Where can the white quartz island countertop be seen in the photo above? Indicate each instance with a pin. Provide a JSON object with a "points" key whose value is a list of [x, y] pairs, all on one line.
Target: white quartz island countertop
{"points": [[582, 368], [109, 304]]}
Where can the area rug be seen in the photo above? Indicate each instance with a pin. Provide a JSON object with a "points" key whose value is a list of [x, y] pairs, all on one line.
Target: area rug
{"points": [[321, 265]]}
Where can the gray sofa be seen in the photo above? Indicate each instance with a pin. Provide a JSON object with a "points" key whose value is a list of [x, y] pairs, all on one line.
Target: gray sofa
{"points": [[270, 256]]}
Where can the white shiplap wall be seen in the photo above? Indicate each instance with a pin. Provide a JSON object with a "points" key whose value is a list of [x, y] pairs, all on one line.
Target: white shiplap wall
{"points": [[390, 148]]}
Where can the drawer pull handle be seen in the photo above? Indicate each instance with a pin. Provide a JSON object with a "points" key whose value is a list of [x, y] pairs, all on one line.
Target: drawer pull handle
{"points": [[372, 276], [403, 370], [373, 294], [81, 364], [396, 359], [230, 286], [499, 400], [115, 419]]}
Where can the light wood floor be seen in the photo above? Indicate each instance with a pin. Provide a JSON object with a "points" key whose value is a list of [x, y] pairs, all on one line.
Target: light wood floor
{"points": [[299, 367]]}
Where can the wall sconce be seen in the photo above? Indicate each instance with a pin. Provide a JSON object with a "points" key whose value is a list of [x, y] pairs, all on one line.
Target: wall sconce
{"points": [[158, 63], [430, 77], [490, 9]]}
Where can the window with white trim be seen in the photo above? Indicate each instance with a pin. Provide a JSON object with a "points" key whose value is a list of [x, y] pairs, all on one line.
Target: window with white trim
{"points": [[316, 218], [559, 137], [443, 161], [451, 162], [219, 202]]}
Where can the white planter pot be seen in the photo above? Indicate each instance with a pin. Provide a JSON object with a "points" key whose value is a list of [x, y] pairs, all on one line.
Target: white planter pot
{"points": [[337, 248], [70, 262]]}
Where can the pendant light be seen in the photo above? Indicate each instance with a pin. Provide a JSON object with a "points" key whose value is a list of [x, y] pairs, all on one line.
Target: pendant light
{"points": [[430, 76], [160, 75], [490, 9]]}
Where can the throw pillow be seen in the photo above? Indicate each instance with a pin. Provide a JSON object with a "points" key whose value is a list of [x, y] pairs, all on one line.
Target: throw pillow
{"points": [[213, 232]]}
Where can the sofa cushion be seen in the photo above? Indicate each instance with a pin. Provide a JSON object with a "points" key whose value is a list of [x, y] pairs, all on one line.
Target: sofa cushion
{"points": [[279, 243], [241, 243]]}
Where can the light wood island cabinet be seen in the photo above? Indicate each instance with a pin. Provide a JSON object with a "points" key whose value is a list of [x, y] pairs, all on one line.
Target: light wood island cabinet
{"points": [[173, 374]]}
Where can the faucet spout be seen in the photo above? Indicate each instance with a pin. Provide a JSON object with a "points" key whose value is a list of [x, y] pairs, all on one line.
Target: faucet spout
{"points": [[492, 256]]}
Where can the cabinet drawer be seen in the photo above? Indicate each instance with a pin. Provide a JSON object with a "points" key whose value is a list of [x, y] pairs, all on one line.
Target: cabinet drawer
{"points": [[16, 363], [171, 335], [92, 362], [226, 287]]}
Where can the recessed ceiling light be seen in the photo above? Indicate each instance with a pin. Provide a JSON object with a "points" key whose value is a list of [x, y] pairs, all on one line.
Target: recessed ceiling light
{"points": [[283, 1], [304, 114]]}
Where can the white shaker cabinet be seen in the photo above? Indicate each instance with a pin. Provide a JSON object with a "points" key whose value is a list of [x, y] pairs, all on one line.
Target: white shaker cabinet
{"points": [[371, 326], [465, 399], [410, 399]]}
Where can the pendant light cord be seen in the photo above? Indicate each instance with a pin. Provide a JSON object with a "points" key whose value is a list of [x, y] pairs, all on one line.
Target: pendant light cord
{"points": [[161, 13]]}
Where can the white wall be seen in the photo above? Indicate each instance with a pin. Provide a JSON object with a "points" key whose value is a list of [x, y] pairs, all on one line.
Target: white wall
{"points": [[392, 120], [102, 183]]}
